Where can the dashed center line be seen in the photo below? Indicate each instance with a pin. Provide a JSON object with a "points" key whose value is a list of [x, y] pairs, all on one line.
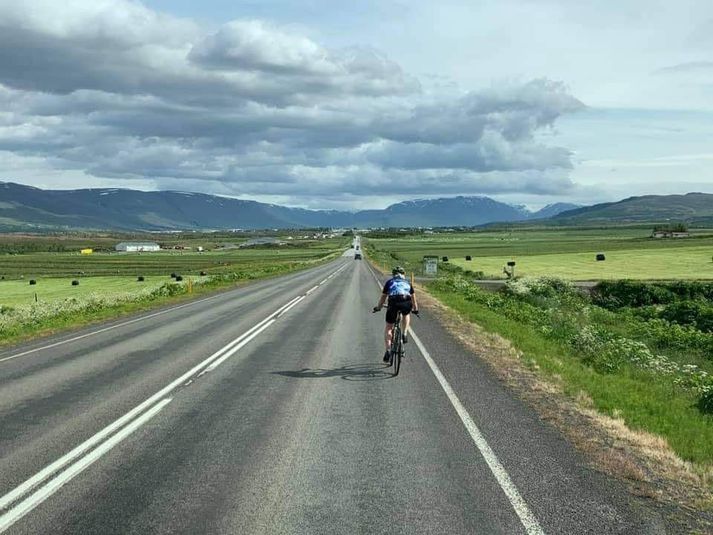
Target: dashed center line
{"points": [[50, 479]]}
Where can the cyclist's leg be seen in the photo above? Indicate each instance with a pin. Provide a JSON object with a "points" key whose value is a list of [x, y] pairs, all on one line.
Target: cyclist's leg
{"points": [[405, 323], [406, 315], [389, 328], [388, 332]]}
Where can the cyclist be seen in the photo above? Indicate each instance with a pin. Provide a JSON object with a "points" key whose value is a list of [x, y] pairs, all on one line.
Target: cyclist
{"points": [[401, 297]]}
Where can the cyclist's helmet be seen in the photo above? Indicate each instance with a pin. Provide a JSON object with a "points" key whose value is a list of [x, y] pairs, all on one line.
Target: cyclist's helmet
{"points": [[397, 270]]}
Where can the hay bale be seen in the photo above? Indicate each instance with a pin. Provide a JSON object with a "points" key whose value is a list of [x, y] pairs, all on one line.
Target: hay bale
{"points": [[468, 258], [601, 257], [32, 282], [75, 283], [179, 278], [140, 278]]}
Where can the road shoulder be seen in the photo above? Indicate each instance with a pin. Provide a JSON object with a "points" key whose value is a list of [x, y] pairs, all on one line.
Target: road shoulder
{"points": [[648, 469]]}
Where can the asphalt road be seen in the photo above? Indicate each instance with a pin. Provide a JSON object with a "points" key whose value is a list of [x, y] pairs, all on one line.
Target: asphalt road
{"points": [[222, 416]]}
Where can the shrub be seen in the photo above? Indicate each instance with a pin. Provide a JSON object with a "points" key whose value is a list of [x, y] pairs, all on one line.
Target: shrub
{"points": [[75, 283], [626, 293], [705, 402], [695, 313]]}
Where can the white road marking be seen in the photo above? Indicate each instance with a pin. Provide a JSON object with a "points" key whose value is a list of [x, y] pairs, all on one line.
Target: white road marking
{"points": [[529, 522], [290, 306], [41, 494], [122, 324], [312, 289], [532, 527], [99, 331], [129, 420], [237, 348], [92, 441]]}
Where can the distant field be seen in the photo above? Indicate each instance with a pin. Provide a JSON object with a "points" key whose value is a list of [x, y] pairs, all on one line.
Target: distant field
{"points": [[36, 265], [569, 253], [116, 273], [15, 292], [651, 264]]}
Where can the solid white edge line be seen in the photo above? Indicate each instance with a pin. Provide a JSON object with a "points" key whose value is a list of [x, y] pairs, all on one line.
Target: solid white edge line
{"points": [[105, 329], [532, 527], [41, 494], [49, 470], [527, 518]]}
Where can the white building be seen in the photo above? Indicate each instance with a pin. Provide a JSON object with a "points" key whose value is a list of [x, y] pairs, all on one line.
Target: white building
{"points": [[261, 241], [137, 246]]}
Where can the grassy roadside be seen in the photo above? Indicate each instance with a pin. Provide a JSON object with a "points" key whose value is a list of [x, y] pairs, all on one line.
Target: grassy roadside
{"points": [[29, 322], [639, 421], [643, 400]]}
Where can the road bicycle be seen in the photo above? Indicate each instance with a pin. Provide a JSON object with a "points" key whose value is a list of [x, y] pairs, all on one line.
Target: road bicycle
{"points": [[396, 353], [397, 345]]}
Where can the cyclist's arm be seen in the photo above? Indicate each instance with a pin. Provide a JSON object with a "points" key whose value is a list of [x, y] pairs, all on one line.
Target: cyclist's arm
{"points": [[382, 300]]}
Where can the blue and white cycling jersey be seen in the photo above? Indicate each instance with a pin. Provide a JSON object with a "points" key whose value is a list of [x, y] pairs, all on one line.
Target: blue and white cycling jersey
{"points": [[398, 286]]}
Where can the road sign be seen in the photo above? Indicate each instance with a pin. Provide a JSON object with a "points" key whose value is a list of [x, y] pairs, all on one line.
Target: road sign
{"points": [[430, 265]]}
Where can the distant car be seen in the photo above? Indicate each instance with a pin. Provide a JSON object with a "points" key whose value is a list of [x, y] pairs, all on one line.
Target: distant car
{"points": [[357, 256]]}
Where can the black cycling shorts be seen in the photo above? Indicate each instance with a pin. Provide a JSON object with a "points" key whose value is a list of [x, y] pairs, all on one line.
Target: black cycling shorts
{"points": [[404, 306]]}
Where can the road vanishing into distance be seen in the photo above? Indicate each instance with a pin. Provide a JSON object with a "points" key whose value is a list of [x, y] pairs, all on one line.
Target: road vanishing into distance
{"points": [[267, 409]]}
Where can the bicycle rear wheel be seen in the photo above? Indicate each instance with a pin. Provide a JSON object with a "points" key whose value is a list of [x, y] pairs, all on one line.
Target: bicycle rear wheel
{"points": [[398, 354], [395, 341], [397, 348]]}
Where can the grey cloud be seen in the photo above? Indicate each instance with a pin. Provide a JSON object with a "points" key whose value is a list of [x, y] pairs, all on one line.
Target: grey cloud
{"points": [[688, 67], [491, 153], [117, 91], [253, 46]]}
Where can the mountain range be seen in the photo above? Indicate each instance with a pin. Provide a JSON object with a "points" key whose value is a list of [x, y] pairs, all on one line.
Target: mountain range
{"points": [[690, 208], [28, 208], [25, 207]]}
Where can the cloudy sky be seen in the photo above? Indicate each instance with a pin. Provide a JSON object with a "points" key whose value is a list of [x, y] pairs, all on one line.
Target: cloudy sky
{"points": [[328, 104]]}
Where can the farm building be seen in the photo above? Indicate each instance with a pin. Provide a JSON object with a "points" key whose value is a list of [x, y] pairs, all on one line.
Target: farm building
{"points": [[669, 234], [261, 241], [137, 246]]}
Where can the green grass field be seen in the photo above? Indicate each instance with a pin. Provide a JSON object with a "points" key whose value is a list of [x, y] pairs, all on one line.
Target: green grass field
{"points": [[15, 292], [108, 285], [568, 253], [113, 273], [647, 264], [36, 265]]}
